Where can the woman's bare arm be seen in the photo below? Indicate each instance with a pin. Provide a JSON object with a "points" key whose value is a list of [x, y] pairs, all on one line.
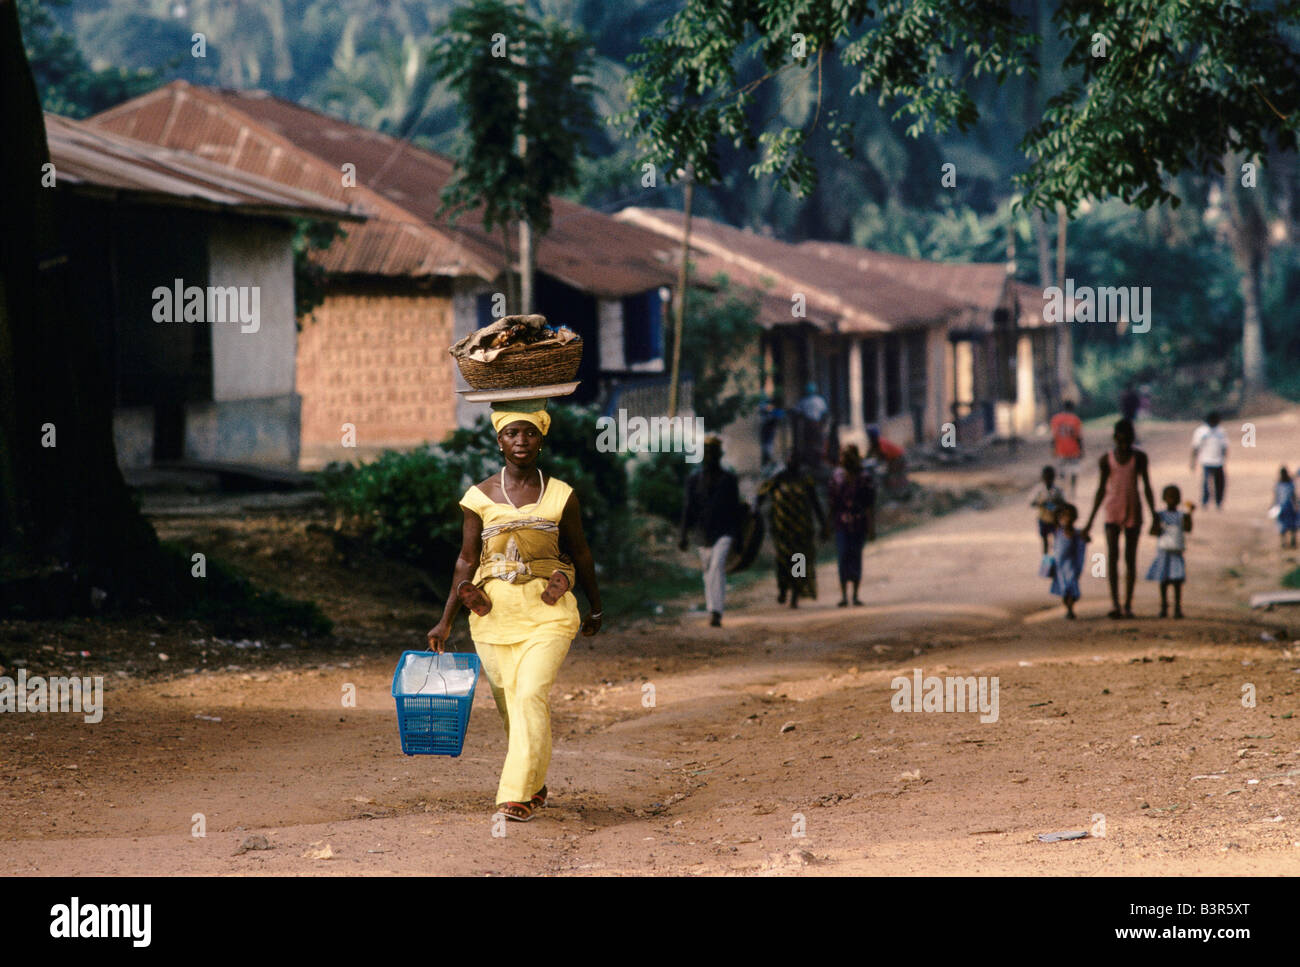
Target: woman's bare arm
{"points": [[466, 565], [574, 542], [1101, 493], [1146, 482]]}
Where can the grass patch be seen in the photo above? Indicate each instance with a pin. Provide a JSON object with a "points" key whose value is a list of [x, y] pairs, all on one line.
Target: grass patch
{"points": [[234, 607], [1292, 578]]}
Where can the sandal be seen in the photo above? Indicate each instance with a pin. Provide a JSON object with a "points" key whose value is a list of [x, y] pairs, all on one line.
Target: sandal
{"points": [[520, 812], [555, 587], [1115, 613], [472, 597], [539, 799]]}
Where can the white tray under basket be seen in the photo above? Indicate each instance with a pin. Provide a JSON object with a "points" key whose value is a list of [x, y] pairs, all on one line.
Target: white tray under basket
{"points": [[518, 393]]}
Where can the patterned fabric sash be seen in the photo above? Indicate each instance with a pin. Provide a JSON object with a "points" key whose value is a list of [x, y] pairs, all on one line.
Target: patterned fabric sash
{"points": [[520, 550]]}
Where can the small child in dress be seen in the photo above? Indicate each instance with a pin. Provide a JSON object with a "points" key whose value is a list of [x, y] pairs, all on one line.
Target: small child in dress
{"points": [[1068, 555], [1288, 512], [1047, 498], [1169, 527]]}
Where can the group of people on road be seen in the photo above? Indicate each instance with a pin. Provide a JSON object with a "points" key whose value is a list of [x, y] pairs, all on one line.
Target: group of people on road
{"points": [[523, 553], [790, 497], [1123, 484]]}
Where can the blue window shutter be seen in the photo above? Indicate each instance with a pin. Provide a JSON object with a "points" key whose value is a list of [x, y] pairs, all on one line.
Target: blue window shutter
{"points": [[483, 305], [642, 327]]}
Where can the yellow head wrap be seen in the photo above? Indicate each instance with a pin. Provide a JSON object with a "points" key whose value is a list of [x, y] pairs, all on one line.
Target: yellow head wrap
{"points": [[539, 418]]}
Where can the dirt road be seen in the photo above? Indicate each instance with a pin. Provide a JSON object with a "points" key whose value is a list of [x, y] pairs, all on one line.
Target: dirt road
{"points": [[766, 747]]}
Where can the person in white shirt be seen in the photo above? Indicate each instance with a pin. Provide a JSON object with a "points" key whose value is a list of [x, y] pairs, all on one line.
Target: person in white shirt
{"points": [[1210, 446]]}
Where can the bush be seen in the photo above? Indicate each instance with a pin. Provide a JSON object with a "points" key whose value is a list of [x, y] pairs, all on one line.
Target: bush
{"points": [[658, 484], [231, 603], [405, 502], [1176, 393], [408, 503]]}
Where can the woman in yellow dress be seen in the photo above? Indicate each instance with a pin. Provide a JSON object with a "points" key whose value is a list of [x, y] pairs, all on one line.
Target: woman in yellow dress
{"points": [[521, 550]]}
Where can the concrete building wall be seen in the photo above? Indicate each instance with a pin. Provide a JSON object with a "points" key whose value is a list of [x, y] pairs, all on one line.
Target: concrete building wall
{"points": [[255, 360], [938, 409], [377, 360], [253, 415], [261, 432], [609, 314]]}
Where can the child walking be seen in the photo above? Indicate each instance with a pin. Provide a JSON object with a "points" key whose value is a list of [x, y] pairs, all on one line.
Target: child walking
{"points": [[1047, 498], [1288, 513], [1169, 527], [1068, 555]]}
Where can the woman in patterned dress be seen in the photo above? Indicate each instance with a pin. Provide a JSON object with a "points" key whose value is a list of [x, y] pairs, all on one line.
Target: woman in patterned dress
{"points": [[796, 517]]}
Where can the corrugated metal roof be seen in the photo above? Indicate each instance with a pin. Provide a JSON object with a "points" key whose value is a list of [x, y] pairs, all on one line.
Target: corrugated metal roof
{"points": [[400, 183], [1029, 299], [981, 285], [391, 242], [857, 297], [88, 157]]}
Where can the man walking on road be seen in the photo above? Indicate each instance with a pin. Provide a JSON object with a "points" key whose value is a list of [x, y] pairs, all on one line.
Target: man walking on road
{"points": [[1210, 445], [711, 514], [1067, 443]]}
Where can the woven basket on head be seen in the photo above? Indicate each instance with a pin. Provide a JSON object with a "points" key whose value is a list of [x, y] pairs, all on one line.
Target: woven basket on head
{"points": [[521, 365]]}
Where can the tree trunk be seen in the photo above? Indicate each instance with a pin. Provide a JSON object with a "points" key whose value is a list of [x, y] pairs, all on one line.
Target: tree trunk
{"points": [[527, 268], [1248, 239], [1069, 390], [1254, 377], [1044, 246], [512, 300], [679, 314], [67, 520]]}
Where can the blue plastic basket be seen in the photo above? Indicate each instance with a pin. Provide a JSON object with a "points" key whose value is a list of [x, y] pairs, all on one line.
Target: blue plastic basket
{"points": [[434, 724]]}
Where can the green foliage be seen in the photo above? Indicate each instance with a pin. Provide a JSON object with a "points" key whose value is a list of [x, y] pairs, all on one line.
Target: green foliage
{"points": [[658, 484], [1117, 245], [487, 50], [405, 502], [1176, 392], [67, 84], [408, 502], [310, 237], [1181, 83], [688, 95], [719, 330], [1292, 578], [1281, 334], [230, 603], [950, 233]]}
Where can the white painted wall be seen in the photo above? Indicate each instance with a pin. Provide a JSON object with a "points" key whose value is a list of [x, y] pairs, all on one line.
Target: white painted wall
{"points": [[609, 316], [254, 364]]}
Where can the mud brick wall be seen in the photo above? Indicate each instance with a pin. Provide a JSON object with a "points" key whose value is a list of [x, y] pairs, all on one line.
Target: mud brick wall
{"points": [[379, 361]]}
